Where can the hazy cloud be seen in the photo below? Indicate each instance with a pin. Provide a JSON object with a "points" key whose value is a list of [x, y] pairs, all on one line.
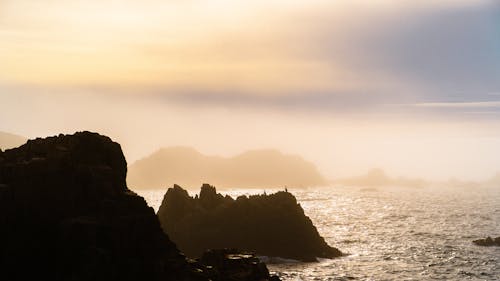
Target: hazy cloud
{"points": [[410, 86]]}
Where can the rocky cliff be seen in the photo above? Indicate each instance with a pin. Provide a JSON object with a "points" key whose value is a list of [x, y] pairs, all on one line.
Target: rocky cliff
{"points": [[269, 225], [67, 214]]}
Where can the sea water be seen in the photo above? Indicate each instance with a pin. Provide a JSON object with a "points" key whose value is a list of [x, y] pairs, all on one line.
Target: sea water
{"points": [[394, 233]]}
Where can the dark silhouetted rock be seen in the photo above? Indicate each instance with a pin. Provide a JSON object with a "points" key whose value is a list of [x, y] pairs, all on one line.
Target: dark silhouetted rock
{"points": [[66, 214], [230, 264], [269, 225], [488, 241]]}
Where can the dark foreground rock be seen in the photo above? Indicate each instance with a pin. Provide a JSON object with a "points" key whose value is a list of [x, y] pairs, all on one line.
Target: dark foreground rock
{"points": [[488, 241], [269, 225], [66, 214], [231, 264]]}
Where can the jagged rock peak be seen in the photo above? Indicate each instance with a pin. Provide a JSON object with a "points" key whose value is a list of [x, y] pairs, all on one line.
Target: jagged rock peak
{"points": [[271, 225], [207, 190]]}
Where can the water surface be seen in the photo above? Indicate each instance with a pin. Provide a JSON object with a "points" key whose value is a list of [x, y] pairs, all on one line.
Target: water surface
{"points": [[396, 233]]}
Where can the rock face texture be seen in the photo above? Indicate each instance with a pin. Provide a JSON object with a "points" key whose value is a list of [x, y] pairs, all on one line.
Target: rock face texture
{"points": [[230, 264], [488, 241], [66, 214], [270, 225]]}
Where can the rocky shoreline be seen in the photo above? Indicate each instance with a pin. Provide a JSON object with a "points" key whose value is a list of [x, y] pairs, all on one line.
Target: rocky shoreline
{"points": [[67, 214]]}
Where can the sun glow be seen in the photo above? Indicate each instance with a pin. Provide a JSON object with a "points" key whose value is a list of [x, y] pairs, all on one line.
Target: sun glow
{"points": [[221, 44], [386, 61]]}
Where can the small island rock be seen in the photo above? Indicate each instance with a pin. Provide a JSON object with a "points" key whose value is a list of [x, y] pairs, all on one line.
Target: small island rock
{"points": [[269, 225], [488, 241]]}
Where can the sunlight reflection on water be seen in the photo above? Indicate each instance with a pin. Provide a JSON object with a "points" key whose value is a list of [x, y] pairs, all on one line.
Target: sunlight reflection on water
{"points": [[396, 233]]}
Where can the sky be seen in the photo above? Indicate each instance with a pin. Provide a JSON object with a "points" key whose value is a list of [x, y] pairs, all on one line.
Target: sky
{"points": [[411, 87]]}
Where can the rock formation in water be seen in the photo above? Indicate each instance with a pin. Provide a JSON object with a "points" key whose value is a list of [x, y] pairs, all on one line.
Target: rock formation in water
{"points": [[66, 214], [378, 178], [232, 265], [488, 241], [252, 169], [270, 225]]}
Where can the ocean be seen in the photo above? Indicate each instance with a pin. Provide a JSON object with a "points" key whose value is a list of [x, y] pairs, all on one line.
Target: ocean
{"points": [[394, 233]]}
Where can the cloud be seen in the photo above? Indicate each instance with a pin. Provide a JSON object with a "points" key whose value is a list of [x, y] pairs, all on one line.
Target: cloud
{"points": [[371, 58], [313, 55], [484, 104], [450, 52]]}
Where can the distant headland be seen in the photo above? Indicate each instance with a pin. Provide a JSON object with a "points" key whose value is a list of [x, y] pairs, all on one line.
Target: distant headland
{"points": [[252, 169], [378, 178], [8, 140]]}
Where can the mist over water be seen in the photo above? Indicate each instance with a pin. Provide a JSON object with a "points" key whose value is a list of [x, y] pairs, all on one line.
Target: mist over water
{"points": [[399, 98], [395, 233]]}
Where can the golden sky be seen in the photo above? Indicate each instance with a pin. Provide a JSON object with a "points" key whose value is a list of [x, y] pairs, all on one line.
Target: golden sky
{"points": [[144, 43], [349, 85], [264, 46]]}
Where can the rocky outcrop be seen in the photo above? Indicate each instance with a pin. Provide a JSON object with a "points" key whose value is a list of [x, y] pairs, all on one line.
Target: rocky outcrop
{"points": [[231, 264], [67, 214], [488, 241], [270, 225]]}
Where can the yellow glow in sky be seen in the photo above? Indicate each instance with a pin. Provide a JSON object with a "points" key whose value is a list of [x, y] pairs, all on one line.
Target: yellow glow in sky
{"points": [[348, 84], [253, 45], [127, 42]]}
